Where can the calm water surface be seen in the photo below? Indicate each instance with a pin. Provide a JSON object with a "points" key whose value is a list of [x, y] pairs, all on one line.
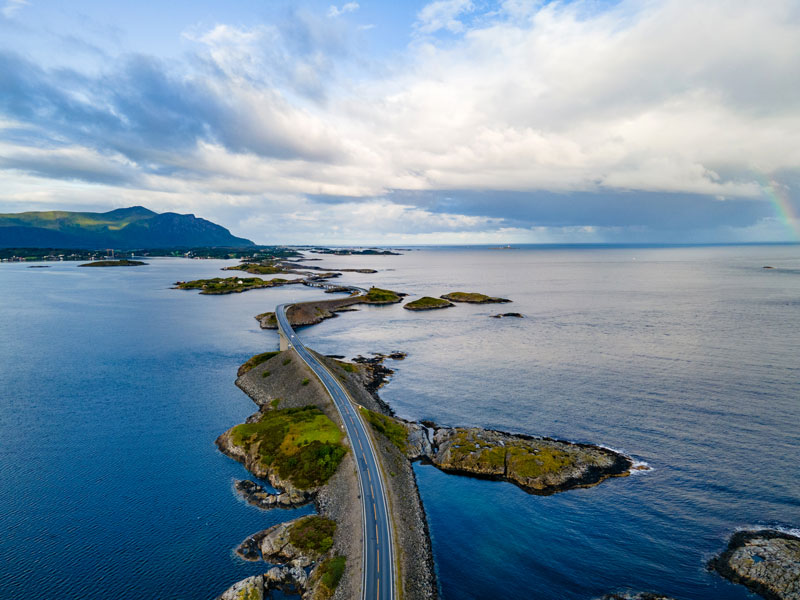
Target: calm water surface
{"points": [[114, 388]]}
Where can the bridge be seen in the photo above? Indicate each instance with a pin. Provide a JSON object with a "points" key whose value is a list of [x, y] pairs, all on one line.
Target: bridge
{"points": [[377, 558]]}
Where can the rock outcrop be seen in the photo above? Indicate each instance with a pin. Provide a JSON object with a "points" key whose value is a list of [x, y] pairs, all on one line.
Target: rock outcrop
{"points": [[257, 496], [537, 465], [766, 561]]}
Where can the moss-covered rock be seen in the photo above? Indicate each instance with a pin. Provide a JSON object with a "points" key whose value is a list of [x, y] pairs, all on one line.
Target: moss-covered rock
{"points": [[473, 298], [427, 303], [537, 465]]}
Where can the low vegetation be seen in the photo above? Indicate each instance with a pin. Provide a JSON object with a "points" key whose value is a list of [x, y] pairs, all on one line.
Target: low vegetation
{"points": [[473, 298], [229, 285], [306, 381], [254, 361], [380, 296], [521, 458], [393, 431], [114, 263], [427, 303], [268, 319], [329, 574], [313, 534], [301, 444], [267, 268], [349, 367]]}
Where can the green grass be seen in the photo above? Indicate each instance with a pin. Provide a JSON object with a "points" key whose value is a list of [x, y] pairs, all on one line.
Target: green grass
{"points": [[286, 361], [266, 374], [330, 572], [301, 444], [256, 360], [313, 534], [248, 593], [384, 296], [306, 381], [389, 427], [275, 402], [426, 302], [349, 367], [524, 458]]}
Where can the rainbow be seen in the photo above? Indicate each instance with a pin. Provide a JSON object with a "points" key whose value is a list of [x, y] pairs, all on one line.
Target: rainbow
{"points": [[784, 210]]}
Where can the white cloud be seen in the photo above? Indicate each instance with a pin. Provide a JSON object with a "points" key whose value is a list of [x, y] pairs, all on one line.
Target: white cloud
{"points": [[443, 14], [349, 7], [673, 96], [12, 7]]}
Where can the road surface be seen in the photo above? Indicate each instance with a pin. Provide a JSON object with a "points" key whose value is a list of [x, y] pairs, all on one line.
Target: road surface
{"points": [[378, 551]]}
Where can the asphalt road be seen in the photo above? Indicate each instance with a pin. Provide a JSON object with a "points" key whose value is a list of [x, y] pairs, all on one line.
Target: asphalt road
{"points": [[378, 551]]}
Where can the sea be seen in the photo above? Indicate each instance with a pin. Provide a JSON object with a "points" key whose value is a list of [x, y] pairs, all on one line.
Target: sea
{"points": [[114, 386]]}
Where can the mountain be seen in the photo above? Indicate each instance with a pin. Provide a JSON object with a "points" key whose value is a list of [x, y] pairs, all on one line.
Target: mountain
{"points": [[134, 227]]}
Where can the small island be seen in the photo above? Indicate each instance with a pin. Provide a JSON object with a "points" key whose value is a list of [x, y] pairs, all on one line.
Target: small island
{"points": [[509, 314], [380, 296], [114, 263], [474, 298], [539, 466], [766, 561], [262, 268], [427, 303], [231, 285]]}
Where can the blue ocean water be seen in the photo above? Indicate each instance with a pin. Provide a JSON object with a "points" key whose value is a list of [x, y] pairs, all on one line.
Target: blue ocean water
{"points": [[114, 388]]}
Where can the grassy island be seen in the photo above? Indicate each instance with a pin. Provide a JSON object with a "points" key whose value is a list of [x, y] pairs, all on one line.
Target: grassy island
{"points": [[379, 296], [427, 303], [229, 285], [537, 465], [473, 298], [114, 263], [301, 444], [264, 268]]}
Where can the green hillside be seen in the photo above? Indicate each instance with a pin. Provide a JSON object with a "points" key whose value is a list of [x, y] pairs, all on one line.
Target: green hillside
{"points": [[134, 227]]}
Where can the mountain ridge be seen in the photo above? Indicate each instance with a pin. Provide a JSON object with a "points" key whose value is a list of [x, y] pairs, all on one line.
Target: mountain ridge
{"points": [[131, 227]]}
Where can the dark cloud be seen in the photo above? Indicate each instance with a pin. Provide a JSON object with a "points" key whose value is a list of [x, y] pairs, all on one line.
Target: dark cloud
{"points": [[655, 211], [145, 112]]}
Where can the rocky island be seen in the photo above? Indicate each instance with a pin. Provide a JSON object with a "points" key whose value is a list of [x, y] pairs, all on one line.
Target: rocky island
{"points": [[427, 303], [232, 285], [474, 298], [537, 465], [766, 561], [114, 263]]}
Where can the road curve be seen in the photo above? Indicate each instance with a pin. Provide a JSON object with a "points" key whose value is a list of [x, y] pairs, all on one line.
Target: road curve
{"points": [[378, 551]]}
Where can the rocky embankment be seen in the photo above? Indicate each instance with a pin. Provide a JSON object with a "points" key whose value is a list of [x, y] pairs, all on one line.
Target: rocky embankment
{"points": [[766, 561], [310, 313], [292, 402]]}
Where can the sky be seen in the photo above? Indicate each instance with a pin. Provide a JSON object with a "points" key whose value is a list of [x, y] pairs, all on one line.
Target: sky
{"points": [[444, 122]]}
